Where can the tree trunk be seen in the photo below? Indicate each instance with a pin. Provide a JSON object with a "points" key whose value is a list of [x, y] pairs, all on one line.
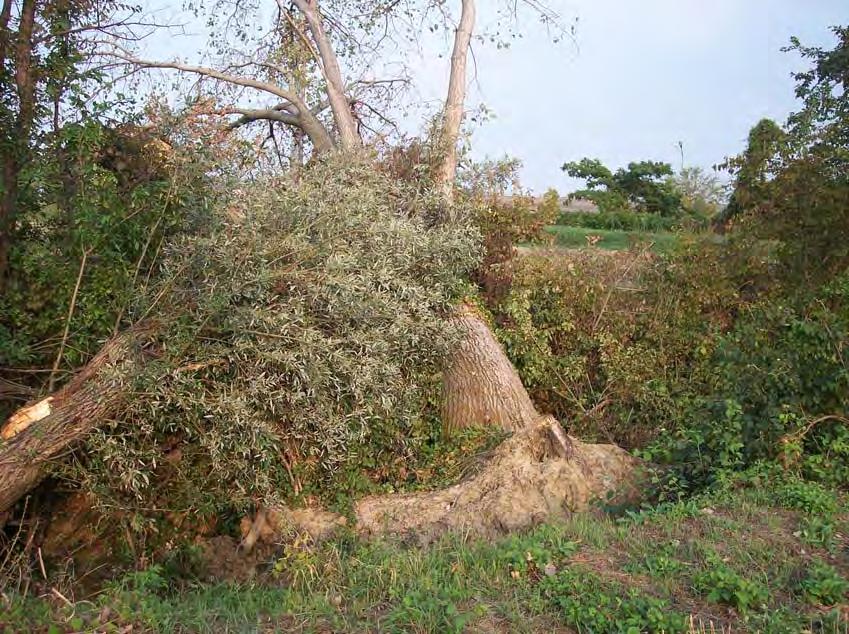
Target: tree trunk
{"points": [[480, 385], [18, 137], [8, 203], [349, 138], [37, 433], [455, 101]]}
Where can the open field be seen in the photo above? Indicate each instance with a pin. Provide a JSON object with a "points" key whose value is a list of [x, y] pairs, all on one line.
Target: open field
{"points": [[576, 237]]}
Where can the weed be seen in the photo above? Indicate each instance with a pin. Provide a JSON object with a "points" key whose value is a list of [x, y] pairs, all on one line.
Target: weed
{"points": [[809, 497], [824, 585], [660, 565], [721, 584], [593, 605]]}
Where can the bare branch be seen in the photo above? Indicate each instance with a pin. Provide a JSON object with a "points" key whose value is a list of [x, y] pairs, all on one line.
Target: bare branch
{"points": [[293, 110], [212, 73]]}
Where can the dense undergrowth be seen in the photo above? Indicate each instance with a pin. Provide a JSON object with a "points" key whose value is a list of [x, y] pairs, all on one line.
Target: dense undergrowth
{"points": [[695, 357]]}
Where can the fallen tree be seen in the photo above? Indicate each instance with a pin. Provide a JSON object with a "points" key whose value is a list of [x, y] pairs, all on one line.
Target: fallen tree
{"points": [[36, 434], [331, 323], [538, 474]]}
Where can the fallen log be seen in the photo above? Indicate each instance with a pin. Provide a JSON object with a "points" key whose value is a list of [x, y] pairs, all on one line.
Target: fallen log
{"points": [[38, 432]]}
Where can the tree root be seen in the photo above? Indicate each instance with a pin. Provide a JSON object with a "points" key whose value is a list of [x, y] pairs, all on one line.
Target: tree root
{"points": [[539, 474]]}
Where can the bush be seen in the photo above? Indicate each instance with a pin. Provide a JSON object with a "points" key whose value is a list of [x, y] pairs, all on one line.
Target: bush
{"points": [[771, 389], [609, 343], [302, 336], [504, 221], [108, 198]]}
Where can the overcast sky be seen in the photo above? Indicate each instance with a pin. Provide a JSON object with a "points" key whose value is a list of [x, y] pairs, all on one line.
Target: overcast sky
{"points": [[640, 77]]}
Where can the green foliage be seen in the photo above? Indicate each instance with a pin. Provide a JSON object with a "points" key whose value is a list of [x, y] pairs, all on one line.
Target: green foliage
{"points": [[818, 531], [824, 585], [703, 357], [720, 584], [656, 565], [109, 198], [768, 391], [302, 334], [611, 361], [641, 187], [791, 185], [592, 605], [810, 497]]}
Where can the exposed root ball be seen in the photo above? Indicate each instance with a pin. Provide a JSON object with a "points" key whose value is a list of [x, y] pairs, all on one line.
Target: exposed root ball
{"points": [[537, 475], [531, 478]]}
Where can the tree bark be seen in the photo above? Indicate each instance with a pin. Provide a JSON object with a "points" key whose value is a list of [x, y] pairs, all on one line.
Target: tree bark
{"points": [[455, 101], [480, 385], [37, 433]]}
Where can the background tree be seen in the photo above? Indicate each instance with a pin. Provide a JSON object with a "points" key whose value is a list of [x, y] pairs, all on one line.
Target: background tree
{"points": [[43, 45], [87, 193], [753, 170], [642, 187]]}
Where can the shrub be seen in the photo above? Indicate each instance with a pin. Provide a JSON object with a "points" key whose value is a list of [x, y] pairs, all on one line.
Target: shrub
{"points": [[302, 334], [107, 199], [503, 220], [609, 343]]}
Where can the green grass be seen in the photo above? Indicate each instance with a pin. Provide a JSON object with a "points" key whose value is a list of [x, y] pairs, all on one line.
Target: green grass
{"points": [[576, 237], [735, 559]]}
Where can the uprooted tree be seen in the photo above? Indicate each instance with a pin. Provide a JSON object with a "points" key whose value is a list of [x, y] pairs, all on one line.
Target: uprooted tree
{"points": [[247, 358]]}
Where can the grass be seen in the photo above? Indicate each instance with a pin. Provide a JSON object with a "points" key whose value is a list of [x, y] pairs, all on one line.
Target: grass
{"points": [[577, 237], [736, 560]]}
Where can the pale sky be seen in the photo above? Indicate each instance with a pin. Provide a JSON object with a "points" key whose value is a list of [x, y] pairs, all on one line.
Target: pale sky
{"points": [[640, 77], [645, 75]]}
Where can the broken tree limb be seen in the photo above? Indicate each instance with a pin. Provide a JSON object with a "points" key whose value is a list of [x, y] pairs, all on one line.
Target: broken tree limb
{"points": [[38, 432]]}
